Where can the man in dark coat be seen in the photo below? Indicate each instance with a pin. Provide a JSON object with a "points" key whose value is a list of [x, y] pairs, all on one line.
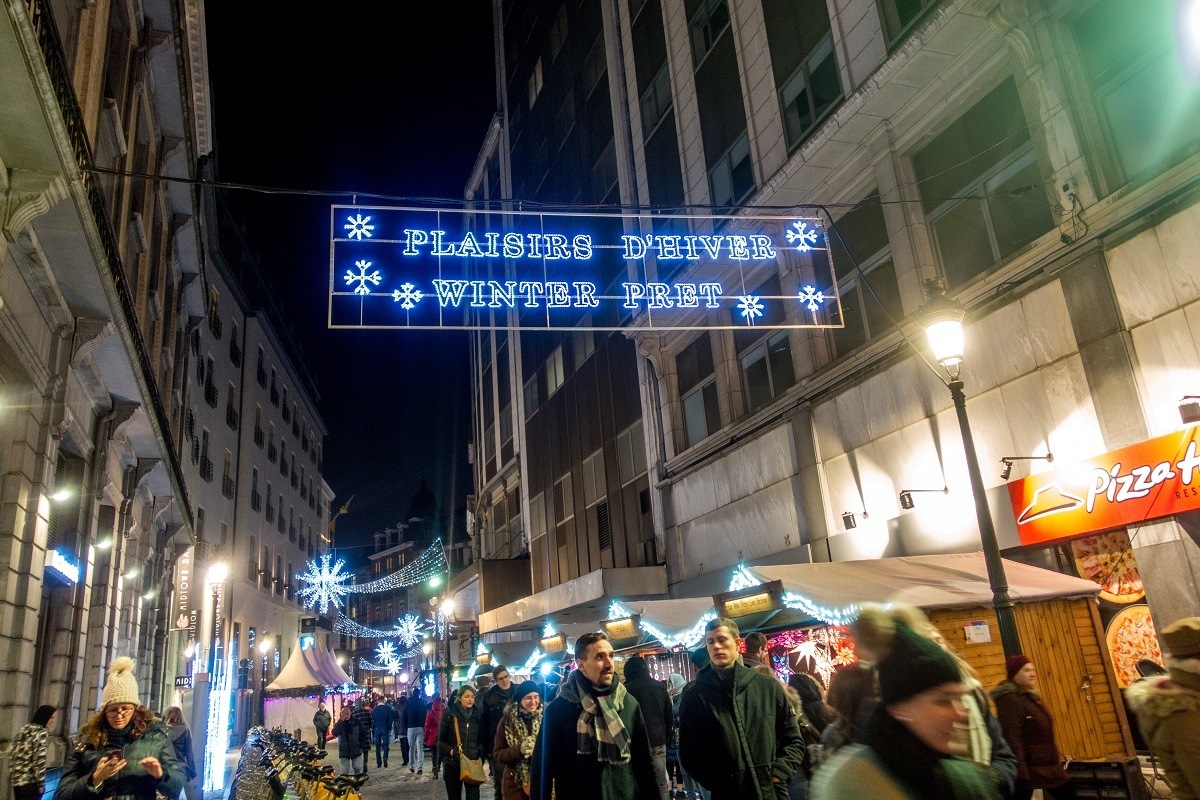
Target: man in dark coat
{"points": [[494, 701], [362, 717], [738, 736], [593, 744], [414, 725], [658, 713], [383, 716]]}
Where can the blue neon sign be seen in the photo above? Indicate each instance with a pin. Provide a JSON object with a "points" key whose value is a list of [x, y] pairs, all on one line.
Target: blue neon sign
{"points": [[437, 268]]}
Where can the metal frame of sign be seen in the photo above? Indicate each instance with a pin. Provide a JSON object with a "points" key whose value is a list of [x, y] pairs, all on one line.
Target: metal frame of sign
{"points": [[470, 269]]}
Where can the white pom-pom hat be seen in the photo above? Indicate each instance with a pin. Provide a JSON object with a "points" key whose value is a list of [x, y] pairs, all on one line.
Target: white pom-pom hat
{"points": [[122, 685]]}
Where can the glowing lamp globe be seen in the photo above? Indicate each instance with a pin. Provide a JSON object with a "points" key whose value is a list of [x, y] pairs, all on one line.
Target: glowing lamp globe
{"points": [[218, 572], [942, 320]]}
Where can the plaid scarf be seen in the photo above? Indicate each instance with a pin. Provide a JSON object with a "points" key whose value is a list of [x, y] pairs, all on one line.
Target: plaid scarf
{"points": [[599, 730]]}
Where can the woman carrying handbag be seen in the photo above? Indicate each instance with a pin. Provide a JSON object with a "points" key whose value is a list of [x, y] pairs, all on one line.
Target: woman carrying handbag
{"points": [[460, 738]]}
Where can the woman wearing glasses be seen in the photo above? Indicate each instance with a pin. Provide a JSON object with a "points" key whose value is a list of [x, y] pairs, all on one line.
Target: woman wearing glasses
{"points": [[124, 751]]}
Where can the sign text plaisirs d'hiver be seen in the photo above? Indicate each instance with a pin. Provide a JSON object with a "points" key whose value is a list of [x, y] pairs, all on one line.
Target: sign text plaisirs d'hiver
{"points": [[437, 269]]}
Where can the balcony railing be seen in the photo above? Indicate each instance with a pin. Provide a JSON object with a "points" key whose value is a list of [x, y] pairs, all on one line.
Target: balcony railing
{"points": [[206, 469], [274, 397], [255, 500], [261, 376], [235, 352], [231, 418], [210, 394], [189, 424], [214, 325], [270, 513], [227, 487], [195, 451], [259, 437], [272, 453], [295, 481]]}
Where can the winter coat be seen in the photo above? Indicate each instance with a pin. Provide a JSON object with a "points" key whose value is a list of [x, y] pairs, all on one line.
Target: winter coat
{"points": [[509, 756], [559, 771], [433, 719], [493, 702], [470, 730], [27, 759], [738, 736], [414, 713], [383, 716], [398, 725], [363, 717], [654, 701], [350, 736], [1168, 714], [181, 738], [132, 781], [321, 720], [1029, 730], [855, 772]]}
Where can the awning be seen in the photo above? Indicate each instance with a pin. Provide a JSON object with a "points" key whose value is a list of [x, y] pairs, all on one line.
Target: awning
{"points": [[582, 600]]}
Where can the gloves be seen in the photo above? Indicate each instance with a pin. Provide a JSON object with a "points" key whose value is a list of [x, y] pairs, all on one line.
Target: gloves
{"points": [[527, 746]]}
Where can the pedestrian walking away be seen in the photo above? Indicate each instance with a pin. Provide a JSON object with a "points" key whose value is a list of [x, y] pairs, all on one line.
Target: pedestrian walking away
{"points": [[414, 724], [383, 717], [515, 740], [849, 688], [913, 744], [185, 754], [657, 711], [1029, 730], [27, 759], [495, 700], [460, 736], [433, 719], [400, 730], [738, 736], [593, 744], [1168, 708], [124, 750], [361, 714], [321, 722], [349, 734]]}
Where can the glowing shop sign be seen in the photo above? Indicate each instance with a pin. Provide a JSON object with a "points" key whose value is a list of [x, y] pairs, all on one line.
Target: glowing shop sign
{"points": [[456, 268], [62, 566]]}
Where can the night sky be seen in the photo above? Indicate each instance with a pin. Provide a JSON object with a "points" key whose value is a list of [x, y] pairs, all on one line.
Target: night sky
{"points": [[358, 98]]}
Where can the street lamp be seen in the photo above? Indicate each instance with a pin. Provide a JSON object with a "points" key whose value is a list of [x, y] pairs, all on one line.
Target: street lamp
{"points": [[942, 319]]}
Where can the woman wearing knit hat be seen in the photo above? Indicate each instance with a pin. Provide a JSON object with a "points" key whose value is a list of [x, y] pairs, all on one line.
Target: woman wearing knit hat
{"points": [[515, 737], [124, 751], [1029, 730], [914, 740]]}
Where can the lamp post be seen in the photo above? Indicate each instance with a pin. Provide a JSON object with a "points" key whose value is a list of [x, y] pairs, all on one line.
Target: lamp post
{"points": [[942, 319]]}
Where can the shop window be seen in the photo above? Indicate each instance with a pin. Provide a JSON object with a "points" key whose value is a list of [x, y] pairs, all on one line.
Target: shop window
{"points": [[698, 390]]}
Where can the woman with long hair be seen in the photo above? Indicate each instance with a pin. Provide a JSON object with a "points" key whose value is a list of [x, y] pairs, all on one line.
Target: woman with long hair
{"points": [[460, 735], [515, 738], [27, 759], [849, 689], [124, 750], [181, 738]]}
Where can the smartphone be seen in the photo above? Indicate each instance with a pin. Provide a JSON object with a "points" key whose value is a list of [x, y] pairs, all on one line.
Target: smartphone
{"points": [[115, 753]]}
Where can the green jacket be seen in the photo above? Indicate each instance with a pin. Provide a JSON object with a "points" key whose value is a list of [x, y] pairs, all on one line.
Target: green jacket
{"points": [[133, 781], [321, 719], [855, 772], [744, 743], [1168, 713]]}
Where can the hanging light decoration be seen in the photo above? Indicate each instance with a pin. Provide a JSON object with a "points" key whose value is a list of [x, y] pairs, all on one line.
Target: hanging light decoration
{"points": [[327, 583]]}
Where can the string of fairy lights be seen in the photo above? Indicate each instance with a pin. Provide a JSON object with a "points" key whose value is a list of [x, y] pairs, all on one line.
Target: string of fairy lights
{"points": [[328, 583]]}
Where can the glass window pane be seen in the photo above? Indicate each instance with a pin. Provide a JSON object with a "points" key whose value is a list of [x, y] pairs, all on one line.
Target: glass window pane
{"points": [[854, 333], [693, 418], [887, 290], [962, 242], [1018, 206], [779, 354], [756, 378], [712, 409]]}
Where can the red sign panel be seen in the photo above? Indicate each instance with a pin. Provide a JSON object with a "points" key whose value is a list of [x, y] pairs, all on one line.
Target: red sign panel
{"points": [[1151, 479]]}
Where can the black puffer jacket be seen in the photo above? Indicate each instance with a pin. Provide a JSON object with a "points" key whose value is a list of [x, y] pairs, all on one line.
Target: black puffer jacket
{"points": [[653, 699], [350, 736], [470, 729]]}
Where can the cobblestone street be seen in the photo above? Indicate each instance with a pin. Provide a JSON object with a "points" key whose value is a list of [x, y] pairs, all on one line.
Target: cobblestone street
{"points": [[396, 781]]}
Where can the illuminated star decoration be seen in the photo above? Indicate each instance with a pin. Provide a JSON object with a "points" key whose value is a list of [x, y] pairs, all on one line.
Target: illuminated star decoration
{"points": [[799, 233], [326, 584], [393, 668], [359, 227], [363, 277], [811, 297], [409, 630], [385, 652], [751, 307], [407, 296]]}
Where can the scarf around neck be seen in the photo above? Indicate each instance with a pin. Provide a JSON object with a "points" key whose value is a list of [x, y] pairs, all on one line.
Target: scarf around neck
{"points": [[599, 729], [519, 726], [915, 765]]}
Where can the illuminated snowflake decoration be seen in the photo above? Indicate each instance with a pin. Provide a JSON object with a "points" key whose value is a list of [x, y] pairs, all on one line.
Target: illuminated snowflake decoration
{"points": [[409, 630], [750, 307], [800, 236], [407, 296], [385, 652], [362, 278], [393, 668], [811, 298], [359, 227], [326, 583]]}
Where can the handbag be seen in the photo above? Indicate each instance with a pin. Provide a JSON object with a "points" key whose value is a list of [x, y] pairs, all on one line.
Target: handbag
{"points": [[470, 770]]}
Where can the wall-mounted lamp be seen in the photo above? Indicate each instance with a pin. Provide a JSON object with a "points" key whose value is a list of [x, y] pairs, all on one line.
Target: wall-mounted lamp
{"points": [[906, 495], [1006, 470], [61, 495], [850, 520], [1189, 409]]}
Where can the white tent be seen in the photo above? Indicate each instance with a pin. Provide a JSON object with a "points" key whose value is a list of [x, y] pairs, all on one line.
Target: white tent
{"points": [[291, 699]]}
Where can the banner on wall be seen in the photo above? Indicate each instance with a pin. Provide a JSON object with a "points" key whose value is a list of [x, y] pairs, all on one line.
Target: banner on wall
{"points": [[420, 268], [1152, 479]]}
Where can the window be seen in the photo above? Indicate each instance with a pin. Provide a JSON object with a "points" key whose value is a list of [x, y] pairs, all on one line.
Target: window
{"points": [[532, 399], [732, 177], [595, 483], [564, 499], [766, 364], [558, 34], [898, 15], [698, 390], [554, 371], [709, 19], [535, 83], [869, 307], [631, 453], [199, 524], [583, 344], [1132, 61], [806, 73], [984, 153]]}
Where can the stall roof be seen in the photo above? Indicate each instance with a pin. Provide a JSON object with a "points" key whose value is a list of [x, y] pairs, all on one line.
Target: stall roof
{"points": [[313, 667], [957, 580]]}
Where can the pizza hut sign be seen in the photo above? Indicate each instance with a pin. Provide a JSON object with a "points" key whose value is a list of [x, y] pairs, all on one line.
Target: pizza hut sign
{"points": [[1156, 478]]}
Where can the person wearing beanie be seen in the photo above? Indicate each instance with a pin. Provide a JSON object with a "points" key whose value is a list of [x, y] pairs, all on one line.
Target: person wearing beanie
{"points": [[27, 759], [1029, 730], [124, 750], [913, 740], [658, 712], [1167, 708], [515, 737]]}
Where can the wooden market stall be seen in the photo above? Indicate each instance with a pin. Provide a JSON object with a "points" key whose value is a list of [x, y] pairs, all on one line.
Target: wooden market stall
{"points": [[1057, 618]]}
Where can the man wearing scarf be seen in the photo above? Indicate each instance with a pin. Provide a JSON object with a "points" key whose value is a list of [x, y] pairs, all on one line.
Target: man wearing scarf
{"points": [[593, 743]]}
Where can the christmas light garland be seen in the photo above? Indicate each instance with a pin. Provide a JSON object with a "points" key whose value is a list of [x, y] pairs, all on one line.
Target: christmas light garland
{"points": [[327, 584]]}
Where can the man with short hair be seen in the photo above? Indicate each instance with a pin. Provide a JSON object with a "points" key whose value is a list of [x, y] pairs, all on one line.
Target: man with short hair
{"points": [[657, 711], [593, 743], [738, 736], [756, 651], [366, 722], [494, 701]]}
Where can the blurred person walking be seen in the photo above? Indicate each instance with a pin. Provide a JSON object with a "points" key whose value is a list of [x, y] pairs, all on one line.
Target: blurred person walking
{"points": [[757, 653], [383, 717], [494, 701], [433, 721], [361, 714], [657, 711], [414, 723], [849, 688], [1029, 730], [181, 738], [27, 758], [515, 740], [321, 722]]}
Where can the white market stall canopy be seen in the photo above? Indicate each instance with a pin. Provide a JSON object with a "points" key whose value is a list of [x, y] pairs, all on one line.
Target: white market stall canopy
{"points": [[315, 667]]}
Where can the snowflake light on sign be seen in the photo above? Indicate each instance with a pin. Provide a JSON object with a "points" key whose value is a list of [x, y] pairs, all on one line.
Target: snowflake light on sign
{"points": [[810, 297], [326, 583], [359, 227], [407, 296], [750, 306], [363, 277], [800, 234], [409, 630]]}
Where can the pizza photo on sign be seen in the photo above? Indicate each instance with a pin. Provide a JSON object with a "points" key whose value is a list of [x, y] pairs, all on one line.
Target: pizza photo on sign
{"points": [[1107, 559], [1050, 499], [1131, 638]]}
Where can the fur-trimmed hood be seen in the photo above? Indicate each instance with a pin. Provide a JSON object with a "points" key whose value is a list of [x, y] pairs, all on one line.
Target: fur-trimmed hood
{"points": [[1156, 699]]}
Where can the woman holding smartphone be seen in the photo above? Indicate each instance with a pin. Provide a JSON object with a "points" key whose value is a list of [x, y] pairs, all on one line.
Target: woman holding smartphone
{"points": [[123, 751]]}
